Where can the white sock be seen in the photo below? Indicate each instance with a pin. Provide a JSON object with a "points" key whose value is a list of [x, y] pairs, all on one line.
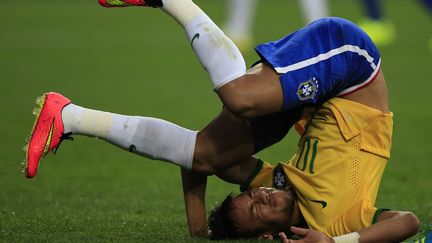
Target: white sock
{"points": [[216, 52], [314, 9], [240, 17], [149, 137]]}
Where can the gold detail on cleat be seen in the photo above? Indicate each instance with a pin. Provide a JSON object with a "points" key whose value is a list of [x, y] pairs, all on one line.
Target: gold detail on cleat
{"points": [[48, 142], [40, 101], [116, 3]]}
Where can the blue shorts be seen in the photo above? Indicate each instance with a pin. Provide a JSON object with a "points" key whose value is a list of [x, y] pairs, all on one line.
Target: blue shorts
{"points": [[329, 57]]}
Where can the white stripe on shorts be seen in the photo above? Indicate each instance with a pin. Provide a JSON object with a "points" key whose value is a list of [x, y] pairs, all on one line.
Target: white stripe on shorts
{"points": [[327, 55], [367, 81]]}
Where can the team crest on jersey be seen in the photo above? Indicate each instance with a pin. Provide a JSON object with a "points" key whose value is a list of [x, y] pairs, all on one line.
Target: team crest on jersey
{"points": [[308, 89], [279, 178]]}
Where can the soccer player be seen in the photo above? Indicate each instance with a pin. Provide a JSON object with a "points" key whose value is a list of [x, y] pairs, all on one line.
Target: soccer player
{"points": [[241, 18], [380, 29], [331, 57], [428, 6]]}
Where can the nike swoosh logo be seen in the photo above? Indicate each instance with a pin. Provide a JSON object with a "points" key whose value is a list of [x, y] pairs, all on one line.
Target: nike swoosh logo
{"points": [[323, 203], [49, 138], [196, 36], [132, 148]]}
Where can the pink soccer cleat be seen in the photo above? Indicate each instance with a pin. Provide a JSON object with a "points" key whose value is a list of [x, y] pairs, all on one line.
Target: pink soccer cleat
{"points": [[128, 3], [48, 130]]}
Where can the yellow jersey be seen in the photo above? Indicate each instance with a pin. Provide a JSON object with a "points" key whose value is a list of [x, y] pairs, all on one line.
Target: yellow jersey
{"points": [[338, 166]]}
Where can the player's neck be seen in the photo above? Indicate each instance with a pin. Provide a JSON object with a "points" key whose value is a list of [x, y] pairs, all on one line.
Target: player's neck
{"points": [[296, 216]]}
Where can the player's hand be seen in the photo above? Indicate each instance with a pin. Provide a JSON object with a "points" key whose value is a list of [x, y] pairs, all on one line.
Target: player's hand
{"points": [[309, 236]]}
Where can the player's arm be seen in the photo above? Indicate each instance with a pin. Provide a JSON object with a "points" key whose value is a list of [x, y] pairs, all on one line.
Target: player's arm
{"points": [[392, 226], [194, 188]]}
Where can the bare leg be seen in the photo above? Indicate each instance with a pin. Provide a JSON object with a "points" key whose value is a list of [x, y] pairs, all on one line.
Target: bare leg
{"points": [[247, 95], [257, 93], [223, 142], [314, 9], [241, 15]]}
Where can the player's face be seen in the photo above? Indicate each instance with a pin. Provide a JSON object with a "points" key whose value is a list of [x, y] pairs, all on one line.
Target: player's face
{"points": [[264, 209]]}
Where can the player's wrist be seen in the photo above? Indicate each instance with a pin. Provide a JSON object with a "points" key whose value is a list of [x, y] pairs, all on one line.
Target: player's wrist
{"points": [[353, 237]]}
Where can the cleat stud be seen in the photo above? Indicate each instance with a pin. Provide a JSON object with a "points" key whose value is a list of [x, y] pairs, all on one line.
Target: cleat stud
{"points": [[40, 101], [39, 104]]}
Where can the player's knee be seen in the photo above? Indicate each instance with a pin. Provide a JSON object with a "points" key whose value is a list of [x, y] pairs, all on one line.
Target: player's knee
{"points": [[412, 223], [252, 95], [238, 100], [240, 107]]}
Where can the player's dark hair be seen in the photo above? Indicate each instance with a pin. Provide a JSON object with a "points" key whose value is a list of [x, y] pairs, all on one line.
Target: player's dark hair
{"points": [[222, 225], [220, 222]]}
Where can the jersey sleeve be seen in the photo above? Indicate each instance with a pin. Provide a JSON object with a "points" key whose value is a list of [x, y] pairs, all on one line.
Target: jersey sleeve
{"points": [[360, 216]]}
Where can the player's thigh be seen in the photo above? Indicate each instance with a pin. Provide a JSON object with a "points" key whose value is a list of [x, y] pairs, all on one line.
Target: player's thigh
{"points": [[227, 139], [257, 93], [270, 129], [224, 141]]}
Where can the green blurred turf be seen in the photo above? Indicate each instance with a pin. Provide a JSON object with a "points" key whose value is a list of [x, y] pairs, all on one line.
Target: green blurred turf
{"points": [[137, 61]]}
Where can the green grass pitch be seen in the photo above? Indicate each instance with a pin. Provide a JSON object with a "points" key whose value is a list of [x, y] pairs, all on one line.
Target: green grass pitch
{"points": [[137, 61]]}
